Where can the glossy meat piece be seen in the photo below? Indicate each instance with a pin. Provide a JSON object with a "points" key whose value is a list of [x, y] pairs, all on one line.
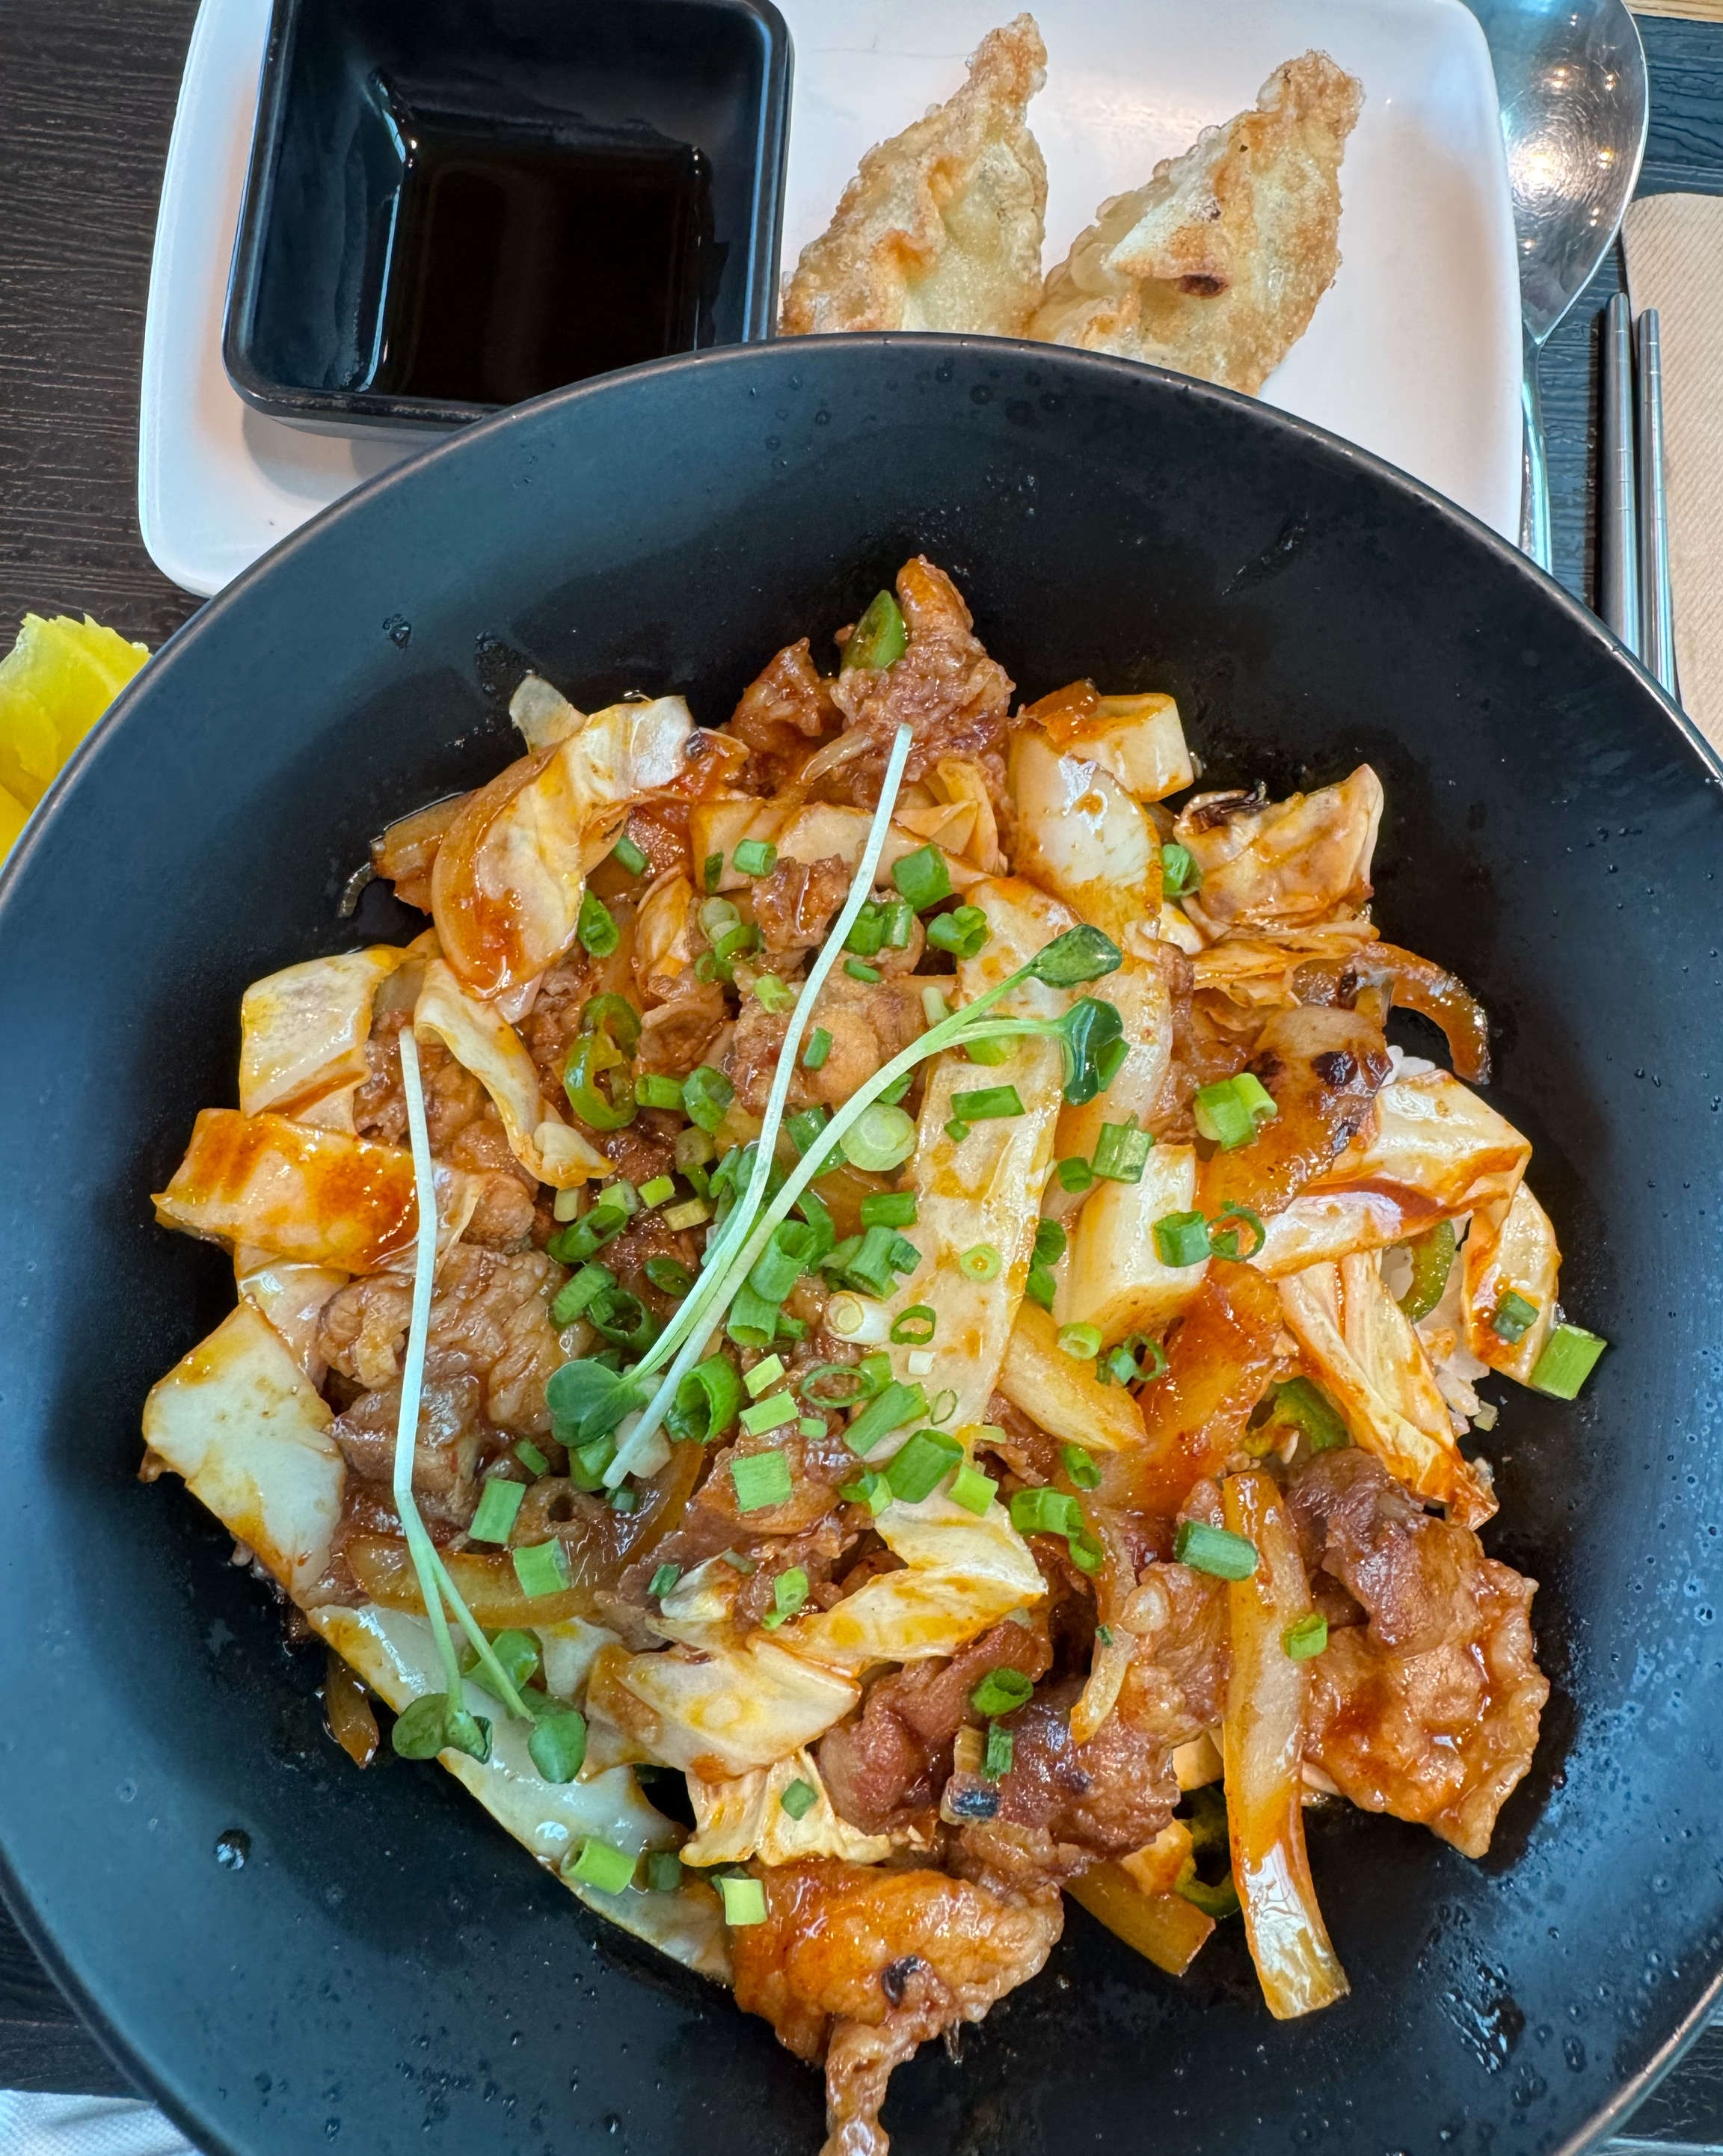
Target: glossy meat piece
{"points": [[870, 1022], [1176, 1685], [445, 1454], [1429, 1710], [862, 1965], [794, 905], [945, 687], [783, 715], [1324, 1069], [888, 1766]]}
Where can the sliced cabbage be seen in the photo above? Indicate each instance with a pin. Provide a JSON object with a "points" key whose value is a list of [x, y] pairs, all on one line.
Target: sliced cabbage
{"points": [[1113, 1275], [1061, 1394], [1079, 834], [722, 1711], [961, 1574], [1284, 863], [568, 1646], [292, 1298], [481, 1040], [544, 714], [1433, 1152], [394, 1653], [318, 1197], [302, 1035], [239, 1418], [821, 830], [1138, 991], [664, 933], [511, 870], [1257, 971], [1138, 740], [743, 1817], [1356, 1341], [1511, 1247], [986, 1187], [961, 780]]}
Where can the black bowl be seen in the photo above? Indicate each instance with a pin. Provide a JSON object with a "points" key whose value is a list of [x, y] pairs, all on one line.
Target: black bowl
{"points": [[387, 1971]]}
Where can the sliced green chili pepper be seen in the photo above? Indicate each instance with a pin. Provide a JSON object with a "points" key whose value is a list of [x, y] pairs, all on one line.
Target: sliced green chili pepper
{"points": [[593, 1054], [878, 638], [1431, 1255]]}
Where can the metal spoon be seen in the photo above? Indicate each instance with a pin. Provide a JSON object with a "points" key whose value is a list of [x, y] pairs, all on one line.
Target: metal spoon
{"points": [[1571, 78]]}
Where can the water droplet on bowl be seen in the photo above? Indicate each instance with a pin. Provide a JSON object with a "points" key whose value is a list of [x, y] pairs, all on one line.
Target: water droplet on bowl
{"points": [[399, 630], [231, 1849]]}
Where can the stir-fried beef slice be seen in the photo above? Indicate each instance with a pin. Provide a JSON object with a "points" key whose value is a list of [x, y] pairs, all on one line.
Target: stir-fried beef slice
{"points": [[783, 714], [363, 1327], [1176, 1685], [647, 1236], [945, 687], [453, 1097], [659, 829], [817, 1466], [868, 1021], [863, 1965], [886, 1768], [1430, 1710], [817, 1552], [794, 905], [451, 1434], [678, 1033]]}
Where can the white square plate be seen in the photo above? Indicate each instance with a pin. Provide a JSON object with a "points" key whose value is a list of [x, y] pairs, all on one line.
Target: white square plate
{"points": [[1414, 352]]}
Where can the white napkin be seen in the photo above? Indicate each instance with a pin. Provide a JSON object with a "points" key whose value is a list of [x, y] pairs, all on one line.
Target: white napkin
{"points": [[1674, 251], [85, 2125]]}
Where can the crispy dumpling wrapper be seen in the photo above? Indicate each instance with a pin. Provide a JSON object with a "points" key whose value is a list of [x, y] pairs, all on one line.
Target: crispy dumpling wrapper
{"points": [[318, 1198], [240, 1420], [1281, 863], [481, 1040], [942, 227], [511, 869], [1215, 267]]}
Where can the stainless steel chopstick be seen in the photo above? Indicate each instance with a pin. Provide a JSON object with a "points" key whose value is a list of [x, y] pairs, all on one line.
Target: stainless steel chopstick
{"points": [[1618, 507], [1656, 600]]}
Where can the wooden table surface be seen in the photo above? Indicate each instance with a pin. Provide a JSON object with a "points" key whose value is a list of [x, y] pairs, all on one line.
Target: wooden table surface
{"points": [[87, 91]]}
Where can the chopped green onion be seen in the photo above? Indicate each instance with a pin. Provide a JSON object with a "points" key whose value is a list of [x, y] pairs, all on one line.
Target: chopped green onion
{"points": [[996, 1760], [964, 932], [811, 1426], [1223, 1242], [1222, 1117], [1002, 1691], [572, 1298], [973, 1490], [1083, 1468], [897, 917], [934, 1007], [1214, 1550], [810, 1380], [859, 970], [789, 1591], [629, 854], [542, 1568], [1103, 1633], [718, 916], [771, 1413], [1086, 1552], [868, 933], [889, 1209], [557, 1746], [1074, 1173], [879, 639], [1041, 1287], [658, 1192], [869, 1489], [881, 1138], [662, 1580], [981, 1261], [1121, 1153], [706, 1093], [499, 1501], [1081, 1342], [531, 1458], [1182, 1238], [956, 1130], [706, 1400], [1306, 1636], [761, 1479], [664, 1872], [896, 1089], [764, 1374], [624, 1500], [691, 1213], [988, 1104], [620, 1315], [599, 1864], [922, 877], [1431, 1255], [597, 928], [1512, 1317], [916, 1470], [586, 1463], [1046, 1512], [799, 1798], [1180, 876], [754, 857], [991, 1051], [773, 994], [670, 1276], [916, 1328], [895, 1405], [744, 1899], [1569, 1356], [695, 1148], [1050, 1242], [712, 874], [785, 1257]]}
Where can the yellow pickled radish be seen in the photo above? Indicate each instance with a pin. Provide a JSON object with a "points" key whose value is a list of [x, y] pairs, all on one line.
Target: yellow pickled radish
{"points": [[58, 679], [13, 813]]}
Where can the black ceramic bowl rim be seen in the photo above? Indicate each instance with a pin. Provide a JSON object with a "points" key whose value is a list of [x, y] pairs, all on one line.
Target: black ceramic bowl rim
{"points": [[65, 804]]}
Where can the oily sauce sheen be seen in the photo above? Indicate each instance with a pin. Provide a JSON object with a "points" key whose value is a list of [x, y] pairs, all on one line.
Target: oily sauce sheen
{"points": [[522, 263]]}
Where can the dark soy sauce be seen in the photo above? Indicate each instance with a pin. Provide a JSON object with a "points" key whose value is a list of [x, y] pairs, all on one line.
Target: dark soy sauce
{"points": [[520, 263]]}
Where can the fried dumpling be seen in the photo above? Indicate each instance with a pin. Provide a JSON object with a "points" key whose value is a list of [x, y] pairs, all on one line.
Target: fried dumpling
{"points": [[1215, 267], [942, 227]]}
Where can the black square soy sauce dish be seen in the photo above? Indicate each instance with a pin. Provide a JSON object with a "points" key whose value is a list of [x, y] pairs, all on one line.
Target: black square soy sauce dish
{"points": [[455, 205]]}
